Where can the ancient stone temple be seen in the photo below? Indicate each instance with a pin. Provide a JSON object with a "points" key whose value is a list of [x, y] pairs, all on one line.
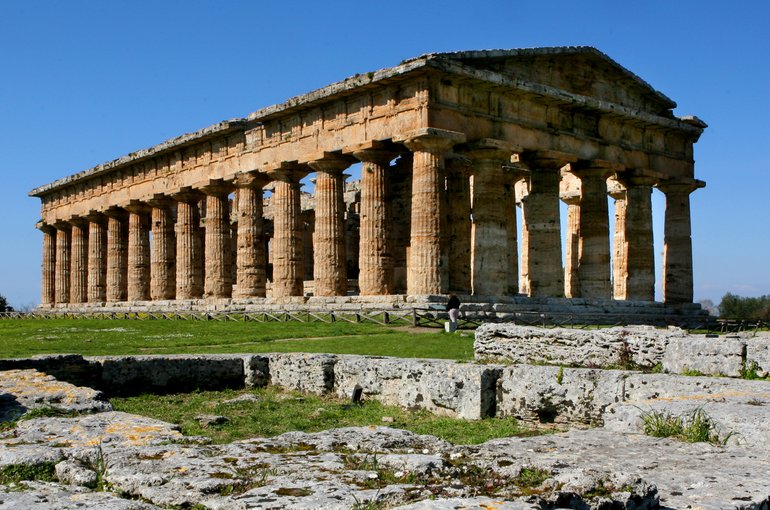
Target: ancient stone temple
{"points": [[452, 146]]}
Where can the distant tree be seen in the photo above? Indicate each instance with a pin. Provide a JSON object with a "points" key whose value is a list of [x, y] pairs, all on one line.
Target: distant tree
{"points": [[747, 308], [4, 306], [709, 306]]}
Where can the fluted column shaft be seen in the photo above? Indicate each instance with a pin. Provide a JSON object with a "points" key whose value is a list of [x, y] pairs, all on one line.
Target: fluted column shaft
{"points": [[287, 246], [48, 296], [79, 262], [329, 255], [425, 274], [63, 263], [572, 248], [117, 257], [543, 264], [218, 272], [251, 260], [97, 259], [138, 253], [639, 256], [458, 216], [189, 267], [513, 174], [594, 270], [375, 255], [677, 248], [162, 251]]}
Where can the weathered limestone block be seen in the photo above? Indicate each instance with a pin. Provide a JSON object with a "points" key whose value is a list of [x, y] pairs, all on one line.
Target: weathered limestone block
{"points": [[439, 386], [758, 354], [165, 374], [546, 394], [310, 373], [256, 371], [51, 496], [709, 356], [639, 345], [22, 390]]}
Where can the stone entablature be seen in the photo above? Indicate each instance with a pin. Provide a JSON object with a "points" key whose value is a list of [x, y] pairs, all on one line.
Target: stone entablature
{"points": [[423, 130]]}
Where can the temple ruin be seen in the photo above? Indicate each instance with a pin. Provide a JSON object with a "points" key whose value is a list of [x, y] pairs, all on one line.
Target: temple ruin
{"points": [[449, 144]]}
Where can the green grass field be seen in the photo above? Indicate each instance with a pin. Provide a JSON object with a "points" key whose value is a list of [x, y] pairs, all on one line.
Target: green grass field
{"points": [[95, 337]]}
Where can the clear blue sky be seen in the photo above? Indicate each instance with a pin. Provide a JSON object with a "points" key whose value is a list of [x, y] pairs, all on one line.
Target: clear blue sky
{"points": [[84, 82]]}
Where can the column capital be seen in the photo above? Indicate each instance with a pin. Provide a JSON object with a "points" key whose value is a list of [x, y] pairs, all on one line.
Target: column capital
{"points": [[377, 152], [546, 158], [95, 216], [160, 201], [430, 139], [79, 221], [187, 195], [287, 171], [116, 212], [488, 148], [330, 162], [680, 185], [216, 187], [570, 197], [45, 227], [638, 177], [137, 207], [598, 168], [253, 179], [516, 171], [62, 225]]}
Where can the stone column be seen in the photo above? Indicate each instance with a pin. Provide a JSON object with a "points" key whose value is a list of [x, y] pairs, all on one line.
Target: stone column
{"points": [[572, 251], [251, 259], [329, 256], [48, 281], [117, 255], [138, 252], [458, 221], [618, 193], [639, 255], [97, 258], [375, 254], [594, 241], [428, 145], [189, 267], [218, 271], [401, 207], [62, 279], [287, 249], [162, 250], [542, 266], [513, 173], [677, 247], [79, 262], [489, 234]]}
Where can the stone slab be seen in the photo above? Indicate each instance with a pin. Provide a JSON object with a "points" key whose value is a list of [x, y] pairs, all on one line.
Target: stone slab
{"points": [[705, 355], [309, 373]]}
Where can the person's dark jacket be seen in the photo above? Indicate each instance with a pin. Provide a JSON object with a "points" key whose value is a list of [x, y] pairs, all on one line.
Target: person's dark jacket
{"points": [[454, 302]]}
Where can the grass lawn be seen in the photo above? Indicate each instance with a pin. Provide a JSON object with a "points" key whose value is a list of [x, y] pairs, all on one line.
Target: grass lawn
{"points": [[277, 411], [93, 337]]}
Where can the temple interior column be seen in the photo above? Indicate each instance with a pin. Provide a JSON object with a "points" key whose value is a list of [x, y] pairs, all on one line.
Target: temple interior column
{"points": [[425, 275], [63, 258], [542, 266], [97, 258], [189, 259], [489, 232], [286, 246], [117, 255], [162, 249], [251, 259], [594, 272], [677, 245], [79, 262], [329, 264], [458, 222], [218, 281], [48, 296], [572, 248], [401, 209], [513, 173], [639, 255], [375, 255], [138, 252], [618, 193]]}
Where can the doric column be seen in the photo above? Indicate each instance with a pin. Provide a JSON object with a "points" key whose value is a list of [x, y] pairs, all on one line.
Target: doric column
{"points": [[138, 252], [618, 193], [329, 260], [458, 221], [542, 267], [79, 262], [287, 249], [489, 234], [639, 254], [162, 249], [117, 255], [572, 248], [513, 173], [62, 285], [594, 272], [375, 254], [401, 207], [189, 259], [218, 271], [97, 258], [48, 296], [677, 247], [425, 274], [251, 259]]}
